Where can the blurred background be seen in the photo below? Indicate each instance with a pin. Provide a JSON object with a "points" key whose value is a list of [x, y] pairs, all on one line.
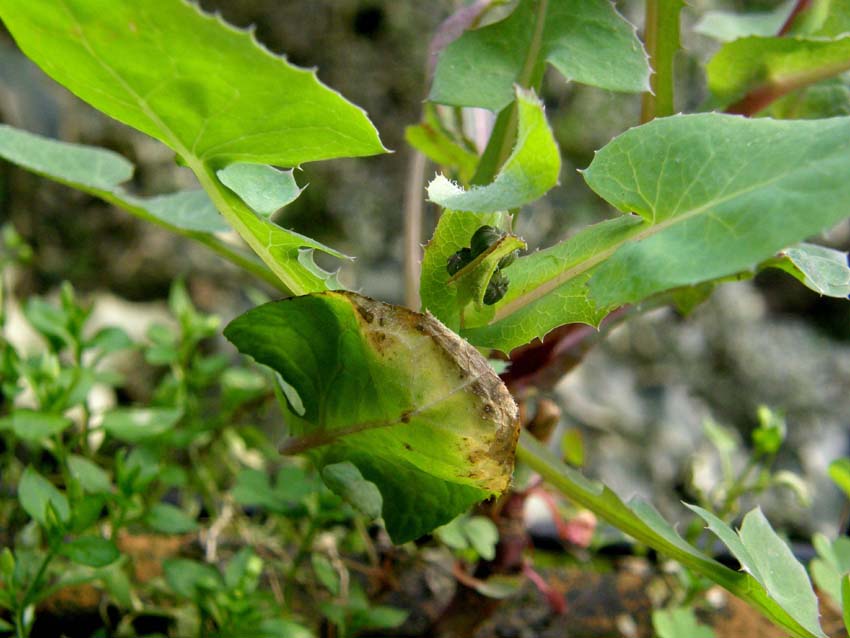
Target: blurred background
{"points": [[640, 399]]}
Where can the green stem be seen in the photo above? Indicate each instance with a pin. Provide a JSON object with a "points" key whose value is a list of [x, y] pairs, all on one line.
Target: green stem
{"points": [[504, 133], [657, 535], [235, 256], [661, 37], [20, 624], [238, 214]]}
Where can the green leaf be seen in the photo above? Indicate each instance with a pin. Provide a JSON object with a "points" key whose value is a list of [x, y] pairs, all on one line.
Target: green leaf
{"points": [[845, 600], [346, 481], [438, 289], [640, 521], [264, 188], [218, 98], [139, 424], [325, 572], [101, 172], [774, 65], [168, 519], [33, 426], [92, 478], [243, 571], [531, 170], [549, 287], [831, 566], [678, 623], [37, 494], [285, 497], [821, 269], [717, 194], [92, 551], [435, 436], [839, 472], [279, 628], [110, 339], [587, 41], [770, 561], [726, 26], [770, 433], [432, 140], [483, 536], [189, 578]]}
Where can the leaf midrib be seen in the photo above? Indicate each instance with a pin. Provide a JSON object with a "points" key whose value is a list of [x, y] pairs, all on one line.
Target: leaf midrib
{"points": [[202, 170], [557, 281]]}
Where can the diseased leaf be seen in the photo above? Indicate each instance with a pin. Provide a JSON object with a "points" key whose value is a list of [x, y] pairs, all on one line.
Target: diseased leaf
{"points": [[549, 287], [530, 171], [718, 194], [775, 65], [770, 561], [218, 98], [435, 437], [587, 41], [454, 232], [819, 268]]}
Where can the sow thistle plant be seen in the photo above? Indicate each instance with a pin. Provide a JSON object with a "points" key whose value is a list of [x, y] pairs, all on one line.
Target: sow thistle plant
{"points": [[398, 408]]}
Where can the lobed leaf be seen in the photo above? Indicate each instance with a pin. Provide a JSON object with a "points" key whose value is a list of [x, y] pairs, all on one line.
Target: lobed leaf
{"points": [[218, 98], [717, 195], [531, 170], [824, 270], [770, 561], [215, 94], [437, 288], [417, 410], [587, 41]]}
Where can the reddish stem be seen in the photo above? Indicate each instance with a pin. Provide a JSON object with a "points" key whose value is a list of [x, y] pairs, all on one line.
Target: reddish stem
{"points": [[801, 6]]}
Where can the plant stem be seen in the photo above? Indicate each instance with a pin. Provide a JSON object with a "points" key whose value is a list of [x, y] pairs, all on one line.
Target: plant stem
{"points": [[662, 43], [236, 212], [232, 254], [801, 6], [504, 131], [20, 628], [413, 228], [657, 535]]}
